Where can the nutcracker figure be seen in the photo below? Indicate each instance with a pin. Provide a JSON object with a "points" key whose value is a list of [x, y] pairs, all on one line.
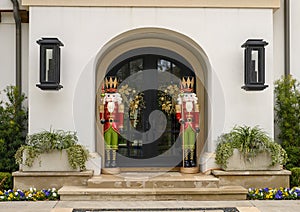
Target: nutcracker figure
{"points": [[111, 116], [187, 113]]}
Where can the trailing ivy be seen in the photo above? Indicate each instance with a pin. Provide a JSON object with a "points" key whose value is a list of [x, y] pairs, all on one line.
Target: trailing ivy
{"points": [[13, 127], [47, 141], [77, 156], [287, 108]]}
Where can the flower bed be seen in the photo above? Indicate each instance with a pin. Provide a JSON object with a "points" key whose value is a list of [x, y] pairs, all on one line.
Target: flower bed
{"points": [[274, 194], [30, 195]]}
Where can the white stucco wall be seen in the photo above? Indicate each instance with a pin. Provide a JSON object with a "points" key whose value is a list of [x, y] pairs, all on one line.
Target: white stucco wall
{"points": [[84, 31], [8, 55], [5, 4]]}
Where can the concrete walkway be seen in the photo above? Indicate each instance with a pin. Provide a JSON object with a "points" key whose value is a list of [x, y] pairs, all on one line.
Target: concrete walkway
{"points": [[67, 206]]}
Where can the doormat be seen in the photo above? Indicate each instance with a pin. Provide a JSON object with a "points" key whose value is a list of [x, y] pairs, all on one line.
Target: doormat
{"points": [[159, 209]]}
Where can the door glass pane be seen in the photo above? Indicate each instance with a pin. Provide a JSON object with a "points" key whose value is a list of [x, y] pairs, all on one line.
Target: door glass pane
{"points": [[163, 65], [135, 65]]}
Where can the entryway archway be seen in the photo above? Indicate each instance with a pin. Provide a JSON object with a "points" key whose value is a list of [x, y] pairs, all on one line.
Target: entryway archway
{"points": [[162, 50]]}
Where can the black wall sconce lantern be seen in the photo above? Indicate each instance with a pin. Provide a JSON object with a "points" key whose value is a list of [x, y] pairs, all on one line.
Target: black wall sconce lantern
{"points": [[254, 64], [49, 63]]}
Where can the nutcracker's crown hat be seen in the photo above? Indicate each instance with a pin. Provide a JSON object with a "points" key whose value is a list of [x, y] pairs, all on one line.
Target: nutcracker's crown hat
{"points": [[187, 84], [111, 84]]}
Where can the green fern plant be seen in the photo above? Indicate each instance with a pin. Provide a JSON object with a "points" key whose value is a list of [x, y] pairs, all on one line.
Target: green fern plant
{"points": [[249, 141]]}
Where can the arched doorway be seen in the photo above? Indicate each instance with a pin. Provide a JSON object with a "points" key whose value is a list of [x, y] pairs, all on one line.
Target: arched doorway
{"points": [[153, 49]]}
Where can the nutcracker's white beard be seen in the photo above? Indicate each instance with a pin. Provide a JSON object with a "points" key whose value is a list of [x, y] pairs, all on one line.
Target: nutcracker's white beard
{"points": [[189, 106], [111, 107]]}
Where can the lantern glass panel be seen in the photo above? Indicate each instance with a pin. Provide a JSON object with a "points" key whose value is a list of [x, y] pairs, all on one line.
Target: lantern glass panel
{"points": [[50, 66], [254, 69]]}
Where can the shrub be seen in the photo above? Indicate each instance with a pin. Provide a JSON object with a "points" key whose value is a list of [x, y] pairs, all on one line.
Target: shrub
{"points": [[13, 128], [287, 108], [5, 181], [295, 177]]}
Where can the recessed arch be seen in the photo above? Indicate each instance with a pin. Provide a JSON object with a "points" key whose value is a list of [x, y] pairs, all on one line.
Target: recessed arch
{"points": [[156, 38]]}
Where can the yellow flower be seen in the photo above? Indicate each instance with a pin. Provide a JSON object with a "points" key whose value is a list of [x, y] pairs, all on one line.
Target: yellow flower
{"points": [[1, 193]]}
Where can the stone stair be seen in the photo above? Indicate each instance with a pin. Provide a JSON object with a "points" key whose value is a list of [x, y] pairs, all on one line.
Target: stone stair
{"points": [[153, 186]]}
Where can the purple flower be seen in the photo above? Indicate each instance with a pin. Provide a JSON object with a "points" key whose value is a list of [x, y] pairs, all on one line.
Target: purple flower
{"points": [[266, 189], [278, 195], [21, 193], [47, 193]]}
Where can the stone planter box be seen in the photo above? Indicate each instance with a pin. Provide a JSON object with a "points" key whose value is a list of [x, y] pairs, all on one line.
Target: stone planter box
{"points": [[49, 162], [261, 162]]}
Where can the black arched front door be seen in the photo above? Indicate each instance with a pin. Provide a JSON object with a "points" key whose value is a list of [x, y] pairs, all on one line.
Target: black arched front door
{"points": [[150, 138]]}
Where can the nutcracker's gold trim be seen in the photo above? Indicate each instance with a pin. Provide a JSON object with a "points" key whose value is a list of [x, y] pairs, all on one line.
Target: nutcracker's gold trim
{"points": [[101, 108], [197, 108], [111, 84], [178, 108], [187, 83]]}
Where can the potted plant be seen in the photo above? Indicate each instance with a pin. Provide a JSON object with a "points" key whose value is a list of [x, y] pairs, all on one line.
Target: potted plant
{"points": [[55, 150], [246, 148]]}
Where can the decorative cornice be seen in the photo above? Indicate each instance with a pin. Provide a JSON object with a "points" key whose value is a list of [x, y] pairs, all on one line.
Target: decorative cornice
{"points": [[264, 4]]}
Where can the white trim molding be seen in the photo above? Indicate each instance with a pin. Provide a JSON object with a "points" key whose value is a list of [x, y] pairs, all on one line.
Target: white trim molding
{"points": [[263, 4]]}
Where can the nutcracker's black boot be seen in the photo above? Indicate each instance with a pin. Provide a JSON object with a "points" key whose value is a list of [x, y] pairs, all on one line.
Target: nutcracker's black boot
{"points": [[192, 158], [186, 158], [186, 164], [192, 163]]}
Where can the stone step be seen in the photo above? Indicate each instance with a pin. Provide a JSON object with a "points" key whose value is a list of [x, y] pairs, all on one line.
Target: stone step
{"points": [[154, 180], [83, 193]]}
